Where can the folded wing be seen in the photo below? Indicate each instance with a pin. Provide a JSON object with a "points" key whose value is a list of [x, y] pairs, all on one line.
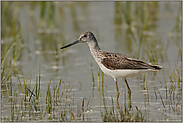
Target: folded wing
{"points": [[115, 61]]}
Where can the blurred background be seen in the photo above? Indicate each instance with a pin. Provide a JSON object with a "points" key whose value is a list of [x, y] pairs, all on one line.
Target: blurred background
{"points": [[33, 32]]}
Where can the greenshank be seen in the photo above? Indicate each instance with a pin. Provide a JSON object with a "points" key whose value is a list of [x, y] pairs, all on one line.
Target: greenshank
{"points": [[114, 64]]}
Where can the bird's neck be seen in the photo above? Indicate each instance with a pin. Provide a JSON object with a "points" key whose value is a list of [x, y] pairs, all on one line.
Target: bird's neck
{"points": [[93, 45], [95, 50]]}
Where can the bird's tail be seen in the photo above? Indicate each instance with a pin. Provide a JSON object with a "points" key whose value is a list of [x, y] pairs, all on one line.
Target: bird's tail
{"points": [[156, 67]]}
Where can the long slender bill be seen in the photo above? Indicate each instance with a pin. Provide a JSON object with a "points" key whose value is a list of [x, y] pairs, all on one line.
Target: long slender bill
{"points": [[75, 42]]}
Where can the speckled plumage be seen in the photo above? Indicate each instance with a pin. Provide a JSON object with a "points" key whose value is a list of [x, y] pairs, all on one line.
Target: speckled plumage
{"points": [[114, 64], [116, 61]]}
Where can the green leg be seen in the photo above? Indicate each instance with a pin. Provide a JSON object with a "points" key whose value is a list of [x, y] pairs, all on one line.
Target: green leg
{"points": [[129, 94], [117, 94]]}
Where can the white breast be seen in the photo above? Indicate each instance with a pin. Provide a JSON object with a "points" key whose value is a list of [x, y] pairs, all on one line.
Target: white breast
{"points": [[122, 73]]}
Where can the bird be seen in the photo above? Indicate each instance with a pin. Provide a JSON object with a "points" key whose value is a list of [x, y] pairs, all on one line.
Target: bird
{"points": [[115, 65]]}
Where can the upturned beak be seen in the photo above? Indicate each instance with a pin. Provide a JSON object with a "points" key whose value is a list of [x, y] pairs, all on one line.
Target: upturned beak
{"points": [[75, 42]]}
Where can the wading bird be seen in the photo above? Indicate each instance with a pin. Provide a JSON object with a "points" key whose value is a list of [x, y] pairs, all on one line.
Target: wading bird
{"points": [[114, 64]]}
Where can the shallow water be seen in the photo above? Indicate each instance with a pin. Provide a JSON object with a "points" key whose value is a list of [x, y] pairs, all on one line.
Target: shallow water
{"points": [[45, 33]]}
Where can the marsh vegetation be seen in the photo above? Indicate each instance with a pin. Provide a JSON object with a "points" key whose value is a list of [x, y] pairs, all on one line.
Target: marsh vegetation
{"points": [[40, 82]]}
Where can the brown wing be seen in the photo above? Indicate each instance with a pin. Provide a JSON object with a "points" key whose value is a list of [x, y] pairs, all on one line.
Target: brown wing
{"points": [[116, 61]]}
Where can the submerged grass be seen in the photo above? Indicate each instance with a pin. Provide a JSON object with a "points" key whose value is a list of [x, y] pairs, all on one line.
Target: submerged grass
{"points": [[58, 105], [24, 101], [8, 60], [110, 113], [122, 115], [29, 105], [171, 97]]}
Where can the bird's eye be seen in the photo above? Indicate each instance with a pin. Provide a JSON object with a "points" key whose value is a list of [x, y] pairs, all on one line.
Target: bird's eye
{"points": [[85, 36]]}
